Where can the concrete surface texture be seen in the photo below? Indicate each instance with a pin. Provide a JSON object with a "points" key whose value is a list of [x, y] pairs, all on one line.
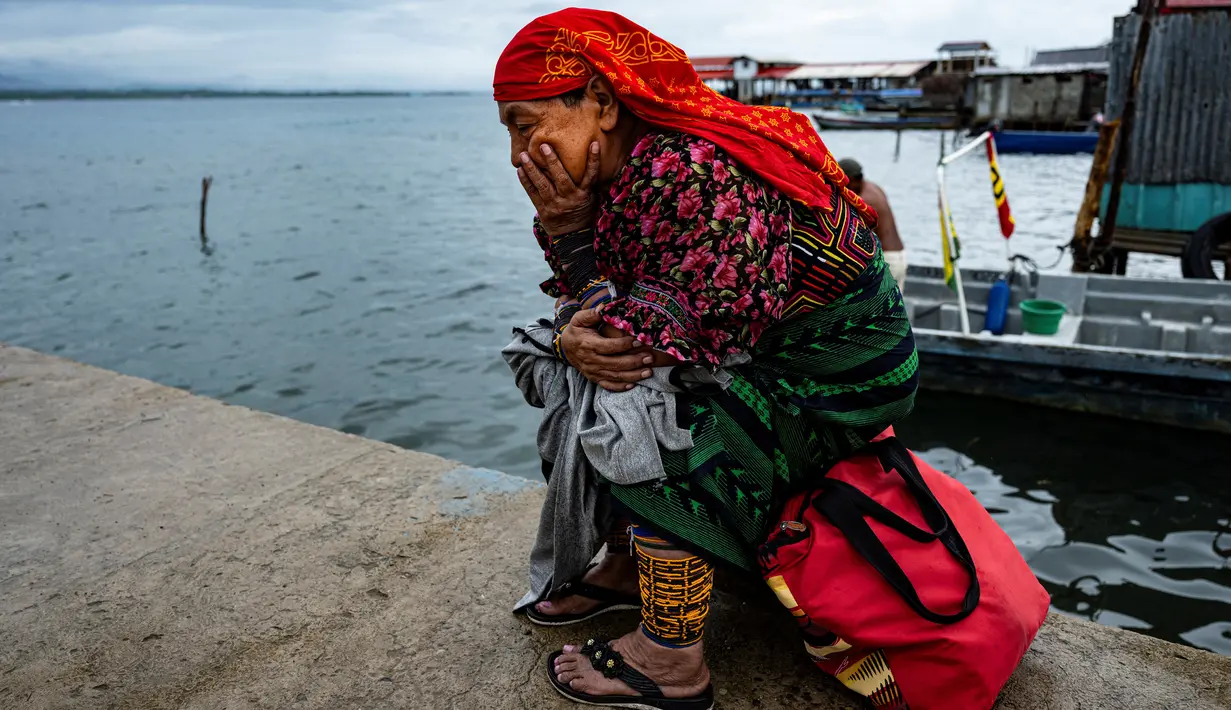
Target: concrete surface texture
{"points": [[160, 550]]}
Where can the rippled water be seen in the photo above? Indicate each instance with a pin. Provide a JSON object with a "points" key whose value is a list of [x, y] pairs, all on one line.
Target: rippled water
{"points": [[368, 257], [1124, 524]]}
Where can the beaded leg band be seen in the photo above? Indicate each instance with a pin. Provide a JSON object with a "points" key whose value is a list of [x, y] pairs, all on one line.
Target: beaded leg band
{"points": [[675, 593]]}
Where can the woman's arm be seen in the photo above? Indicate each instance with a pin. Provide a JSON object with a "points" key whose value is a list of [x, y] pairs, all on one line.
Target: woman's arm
{"points": [[575, 252], [702, 246], [556, 286], [567, 242], [579, 342]]}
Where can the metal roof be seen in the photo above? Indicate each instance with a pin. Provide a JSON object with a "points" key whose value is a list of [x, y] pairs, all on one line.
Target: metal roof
{"points": [[712, 63], [1047, 69], [1075, 55], [858, 70], [976, 46], [714, 67], [724, 67], [781, 72]]}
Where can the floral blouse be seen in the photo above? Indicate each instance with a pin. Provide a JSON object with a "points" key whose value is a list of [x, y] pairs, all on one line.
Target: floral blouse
{"points": [[696, 257], [698, 251]]}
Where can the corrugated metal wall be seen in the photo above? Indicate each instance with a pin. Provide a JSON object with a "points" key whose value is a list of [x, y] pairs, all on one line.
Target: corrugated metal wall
{"points": [[1183, 128]]}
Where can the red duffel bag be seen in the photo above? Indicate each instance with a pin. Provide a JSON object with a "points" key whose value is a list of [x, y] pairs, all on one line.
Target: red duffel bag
{"points": [[905, 588]]}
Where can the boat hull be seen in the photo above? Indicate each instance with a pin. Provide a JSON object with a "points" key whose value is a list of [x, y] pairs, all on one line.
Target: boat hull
{"points": [[1149, 388], [1045, 142], [1144, 349], [836, 120]]}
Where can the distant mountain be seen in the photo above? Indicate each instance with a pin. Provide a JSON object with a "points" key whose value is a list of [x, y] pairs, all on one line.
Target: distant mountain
{"points": [[13, 83], [40, 75], [36, 77]]}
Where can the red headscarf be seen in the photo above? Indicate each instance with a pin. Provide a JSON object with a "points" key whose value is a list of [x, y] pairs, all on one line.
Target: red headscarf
{"points": [[558, 53]]}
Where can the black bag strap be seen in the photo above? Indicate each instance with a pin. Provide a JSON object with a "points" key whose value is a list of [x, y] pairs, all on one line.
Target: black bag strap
{"points": [[848, 508]]}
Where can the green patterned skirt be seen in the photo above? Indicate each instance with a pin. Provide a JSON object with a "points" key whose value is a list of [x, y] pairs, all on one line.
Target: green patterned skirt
{"points": [[820, 386]]}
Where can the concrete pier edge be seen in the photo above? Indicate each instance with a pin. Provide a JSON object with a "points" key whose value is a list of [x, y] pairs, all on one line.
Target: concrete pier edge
{"points": [[162, 550]]}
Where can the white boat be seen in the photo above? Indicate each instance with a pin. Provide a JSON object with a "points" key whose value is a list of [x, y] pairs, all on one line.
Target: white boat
{"points": [[1145, 349], [836, 119]]}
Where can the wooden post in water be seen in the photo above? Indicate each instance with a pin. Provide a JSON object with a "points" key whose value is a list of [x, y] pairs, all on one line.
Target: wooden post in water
{"points": [[897, 146], [205, 183], [1081, 246], [1148, 9]]}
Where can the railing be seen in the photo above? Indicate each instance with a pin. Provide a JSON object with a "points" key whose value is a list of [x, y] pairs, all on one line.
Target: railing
{"points": [[951, 247]]}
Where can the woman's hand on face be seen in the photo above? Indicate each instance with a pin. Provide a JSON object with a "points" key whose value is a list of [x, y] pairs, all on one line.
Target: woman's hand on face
{"points": [[563, 206], [615, 364]]}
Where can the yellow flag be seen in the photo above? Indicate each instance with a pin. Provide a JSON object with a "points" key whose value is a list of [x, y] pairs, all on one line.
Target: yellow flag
{"points": [[950, 255]]}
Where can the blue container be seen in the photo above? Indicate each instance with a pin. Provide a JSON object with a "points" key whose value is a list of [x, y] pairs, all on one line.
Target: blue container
{"points": [[997, 307]]}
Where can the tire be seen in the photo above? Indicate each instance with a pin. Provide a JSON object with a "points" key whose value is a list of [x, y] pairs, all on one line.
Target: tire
{"points": [[1198, 255]]}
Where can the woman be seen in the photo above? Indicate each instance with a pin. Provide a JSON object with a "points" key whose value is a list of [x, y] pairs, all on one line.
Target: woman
{"points": [[683, 227]]}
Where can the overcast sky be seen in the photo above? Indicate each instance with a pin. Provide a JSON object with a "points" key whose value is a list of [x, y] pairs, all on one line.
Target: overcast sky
{"points": [[453, 43]]}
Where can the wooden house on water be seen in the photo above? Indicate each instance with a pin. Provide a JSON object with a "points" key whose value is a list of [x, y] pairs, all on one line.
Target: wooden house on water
{"points": [[1045, 96], [743, 78], [1161, 180]]}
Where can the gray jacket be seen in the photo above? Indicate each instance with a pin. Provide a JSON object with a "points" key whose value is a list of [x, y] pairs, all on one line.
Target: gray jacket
{"points": [[586, 433]]}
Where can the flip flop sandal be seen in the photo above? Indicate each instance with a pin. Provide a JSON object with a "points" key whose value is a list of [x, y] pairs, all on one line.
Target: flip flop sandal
{"points": [[610, 663], [609, 600]]}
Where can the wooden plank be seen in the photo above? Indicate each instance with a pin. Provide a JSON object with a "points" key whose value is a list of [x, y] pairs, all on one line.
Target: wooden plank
{"points": [[1154, 242]]}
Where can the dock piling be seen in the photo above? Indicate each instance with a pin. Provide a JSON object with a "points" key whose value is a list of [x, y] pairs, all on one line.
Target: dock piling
{"points": [[1148, 10], [1081, 246], [205, 184]]}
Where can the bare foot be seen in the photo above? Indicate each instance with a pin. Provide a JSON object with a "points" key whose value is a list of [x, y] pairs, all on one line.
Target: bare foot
{"points": [[680, 672], [615, 572]]}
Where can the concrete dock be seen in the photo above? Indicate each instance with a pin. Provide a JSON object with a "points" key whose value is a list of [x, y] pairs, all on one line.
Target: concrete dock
{"points": [[161, 550]]}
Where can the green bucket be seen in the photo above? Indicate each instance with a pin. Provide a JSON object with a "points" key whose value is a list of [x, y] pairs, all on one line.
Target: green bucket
{"points": [[1041, 317]]}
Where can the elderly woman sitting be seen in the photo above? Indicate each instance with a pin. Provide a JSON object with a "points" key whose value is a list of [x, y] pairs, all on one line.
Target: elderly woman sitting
{"points": [[686, 230]]}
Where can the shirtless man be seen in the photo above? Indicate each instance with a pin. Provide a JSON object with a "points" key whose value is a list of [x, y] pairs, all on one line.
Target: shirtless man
{"points": [[886, 226]]}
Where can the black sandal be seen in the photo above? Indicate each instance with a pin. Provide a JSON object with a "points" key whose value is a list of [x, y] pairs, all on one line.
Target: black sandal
{"points": [[608, 599], [611, 664]]}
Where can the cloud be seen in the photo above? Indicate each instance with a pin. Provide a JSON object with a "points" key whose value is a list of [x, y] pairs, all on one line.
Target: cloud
{"points": [[454, 43]]}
